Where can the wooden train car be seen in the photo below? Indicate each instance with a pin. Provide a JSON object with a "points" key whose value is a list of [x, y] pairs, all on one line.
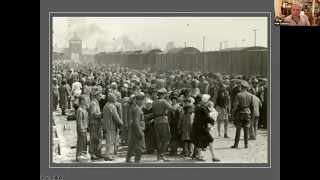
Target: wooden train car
{"points": [[247, 60], [175, 57]]}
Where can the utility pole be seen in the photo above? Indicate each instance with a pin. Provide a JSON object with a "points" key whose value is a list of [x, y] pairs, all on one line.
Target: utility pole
{"points": [[203, 38], [255, 36], [225, 44]]}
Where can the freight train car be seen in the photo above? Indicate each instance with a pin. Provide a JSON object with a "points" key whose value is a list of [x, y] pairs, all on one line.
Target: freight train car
{"points": [[248, 60], [175, 57], [132, 60], [148, 58], [161, 61]]}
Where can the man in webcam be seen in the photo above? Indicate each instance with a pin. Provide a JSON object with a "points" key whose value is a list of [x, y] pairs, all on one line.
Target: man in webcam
{"points": [[296, 18]]}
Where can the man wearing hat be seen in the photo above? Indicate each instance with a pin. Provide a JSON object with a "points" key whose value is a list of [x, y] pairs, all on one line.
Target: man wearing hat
{"points": [[136, 141], [243, 108], [161, 123], [110, 125], [95, 123]]}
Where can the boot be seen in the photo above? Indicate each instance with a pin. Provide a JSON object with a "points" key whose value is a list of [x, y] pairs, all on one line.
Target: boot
{"points": [[234, 146], [226, 136]]}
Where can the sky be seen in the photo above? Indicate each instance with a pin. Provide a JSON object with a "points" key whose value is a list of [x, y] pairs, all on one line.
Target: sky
{"points": [[128, 33]]}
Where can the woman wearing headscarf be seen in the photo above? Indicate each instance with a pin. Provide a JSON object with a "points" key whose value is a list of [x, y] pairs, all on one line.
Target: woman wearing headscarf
{"points": [[201, 136], [150, 134]]}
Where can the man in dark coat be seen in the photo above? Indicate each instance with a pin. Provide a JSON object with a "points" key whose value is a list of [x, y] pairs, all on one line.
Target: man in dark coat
{"points": [[64, 96], [136, 130], [242, 111]]}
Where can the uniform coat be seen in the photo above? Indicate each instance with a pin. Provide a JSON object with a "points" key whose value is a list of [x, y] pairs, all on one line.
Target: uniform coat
{"points": [[136, 128]]}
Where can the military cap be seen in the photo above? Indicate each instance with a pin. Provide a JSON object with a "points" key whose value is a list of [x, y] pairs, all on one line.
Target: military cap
{"points": [[162, 90], [244, 84]]}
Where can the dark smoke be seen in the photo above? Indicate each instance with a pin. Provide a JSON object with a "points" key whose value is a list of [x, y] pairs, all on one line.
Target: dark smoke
{"points": [[170, 46]]}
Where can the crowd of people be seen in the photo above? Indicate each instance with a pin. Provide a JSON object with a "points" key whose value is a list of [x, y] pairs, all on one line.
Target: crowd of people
{"points": [[155, 112]]}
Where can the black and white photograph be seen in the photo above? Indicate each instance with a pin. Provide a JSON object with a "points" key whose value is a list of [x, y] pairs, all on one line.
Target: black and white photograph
{"points": [[160, 90]]}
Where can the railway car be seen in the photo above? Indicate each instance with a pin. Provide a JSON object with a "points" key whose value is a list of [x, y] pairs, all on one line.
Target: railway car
{"points": [[247, 60], [148, 58], [133, 60], [176, 58], [161, 60]]}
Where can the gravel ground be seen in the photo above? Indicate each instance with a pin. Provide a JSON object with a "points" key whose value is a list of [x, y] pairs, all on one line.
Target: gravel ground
{"points": [[256, 153]]}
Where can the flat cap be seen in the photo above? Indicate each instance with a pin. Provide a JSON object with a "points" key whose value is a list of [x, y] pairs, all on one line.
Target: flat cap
{"points": [[244, 84], [162, 90]]}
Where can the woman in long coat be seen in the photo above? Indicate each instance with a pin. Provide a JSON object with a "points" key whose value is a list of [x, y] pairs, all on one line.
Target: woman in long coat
{"points": [[174, 118], [201, 136], [64, 96]]}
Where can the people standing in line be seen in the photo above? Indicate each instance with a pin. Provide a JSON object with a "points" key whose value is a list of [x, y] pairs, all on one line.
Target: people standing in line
{"points": [[64, 96], [242, 113], [95, 123], [82, 125], [136, 140], [161, 124], [110, 125], [222, 104]]}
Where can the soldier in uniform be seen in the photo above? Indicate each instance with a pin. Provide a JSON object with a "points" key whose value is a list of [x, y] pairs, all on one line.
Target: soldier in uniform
{"points": [[242, 111], [136, 142], [161, 123]]}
